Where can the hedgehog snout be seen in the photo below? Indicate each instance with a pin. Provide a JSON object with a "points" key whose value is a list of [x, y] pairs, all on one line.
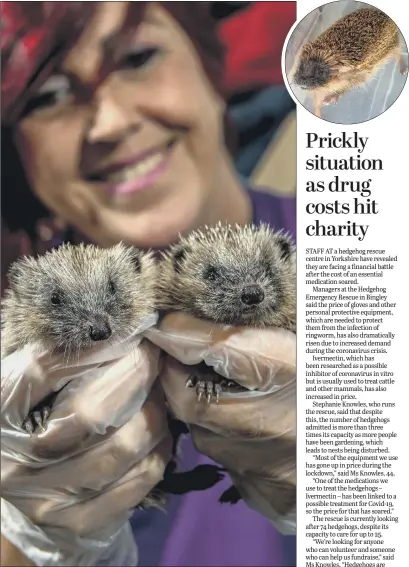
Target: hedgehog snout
{"points": [[99, 329], [312, 73], [252, 295]]}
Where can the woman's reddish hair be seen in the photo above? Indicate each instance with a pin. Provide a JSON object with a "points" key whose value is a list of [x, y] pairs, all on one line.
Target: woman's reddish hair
{"points": [[36, 35]]}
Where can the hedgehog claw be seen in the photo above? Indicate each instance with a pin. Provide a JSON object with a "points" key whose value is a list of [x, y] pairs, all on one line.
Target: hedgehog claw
{"points": [[209, 391], [191, 382], [37, 419], [200, 389], [218, 392], [210, 386], [28, 426]]}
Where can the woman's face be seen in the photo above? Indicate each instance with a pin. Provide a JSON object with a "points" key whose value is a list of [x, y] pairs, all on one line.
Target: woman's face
{"points": [[140, 158]]}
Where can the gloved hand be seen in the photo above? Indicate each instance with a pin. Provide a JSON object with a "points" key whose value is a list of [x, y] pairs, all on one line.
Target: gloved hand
{"points": [[68, 492], [253, 433]]}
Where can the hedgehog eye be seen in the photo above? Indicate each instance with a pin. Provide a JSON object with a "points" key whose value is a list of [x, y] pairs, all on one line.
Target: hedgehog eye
{"points": [[269, 272], [211, 273], [55, 298], [112, 287]]}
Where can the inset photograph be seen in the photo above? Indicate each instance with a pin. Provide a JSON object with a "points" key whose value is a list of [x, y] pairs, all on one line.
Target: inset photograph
{"points": [[346, 62]]}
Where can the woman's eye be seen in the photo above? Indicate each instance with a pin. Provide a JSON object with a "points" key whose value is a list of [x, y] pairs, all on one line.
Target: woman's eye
{"points": [[44, 100], [52, 93], [140, 58]]}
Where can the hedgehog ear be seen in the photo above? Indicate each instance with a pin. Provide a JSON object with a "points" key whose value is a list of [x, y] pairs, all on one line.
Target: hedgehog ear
{"points": [[285, 246], [178, 256]]}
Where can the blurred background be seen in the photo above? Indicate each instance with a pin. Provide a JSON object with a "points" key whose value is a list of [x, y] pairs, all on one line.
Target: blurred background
{"points": [[357, 105], [262, 111]]}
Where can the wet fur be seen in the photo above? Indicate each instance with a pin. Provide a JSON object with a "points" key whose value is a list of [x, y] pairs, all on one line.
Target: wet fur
{"points": [[234, 257], [347, 55]]}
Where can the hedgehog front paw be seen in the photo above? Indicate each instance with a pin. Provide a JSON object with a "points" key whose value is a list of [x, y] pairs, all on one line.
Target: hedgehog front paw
{"points": [[211, 386], [37, 419], [330, 99], [206, 386], [155, 499]]}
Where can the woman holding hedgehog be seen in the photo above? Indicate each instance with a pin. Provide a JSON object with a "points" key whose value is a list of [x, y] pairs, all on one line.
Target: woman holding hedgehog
{"points": [[115, 113]]}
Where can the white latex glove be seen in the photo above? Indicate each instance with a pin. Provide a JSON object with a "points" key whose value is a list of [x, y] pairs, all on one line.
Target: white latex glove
{"points": [[252, 434], [67, 493]]}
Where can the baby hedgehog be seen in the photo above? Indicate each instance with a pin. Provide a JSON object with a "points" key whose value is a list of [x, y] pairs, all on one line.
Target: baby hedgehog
{"points": [[230, 275], [347, 55], [73, 297]]}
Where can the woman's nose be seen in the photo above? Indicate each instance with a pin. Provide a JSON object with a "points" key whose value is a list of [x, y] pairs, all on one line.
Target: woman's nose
{"points": [[111, 120]]}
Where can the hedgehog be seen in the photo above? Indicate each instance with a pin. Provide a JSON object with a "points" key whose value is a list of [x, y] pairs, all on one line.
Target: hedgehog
{"points": [[347, 55], [234, 275], [72, 298]]}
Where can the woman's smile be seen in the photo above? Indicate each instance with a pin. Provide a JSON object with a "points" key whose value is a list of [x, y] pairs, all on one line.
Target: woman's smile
{"points": [[136, 173]]}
